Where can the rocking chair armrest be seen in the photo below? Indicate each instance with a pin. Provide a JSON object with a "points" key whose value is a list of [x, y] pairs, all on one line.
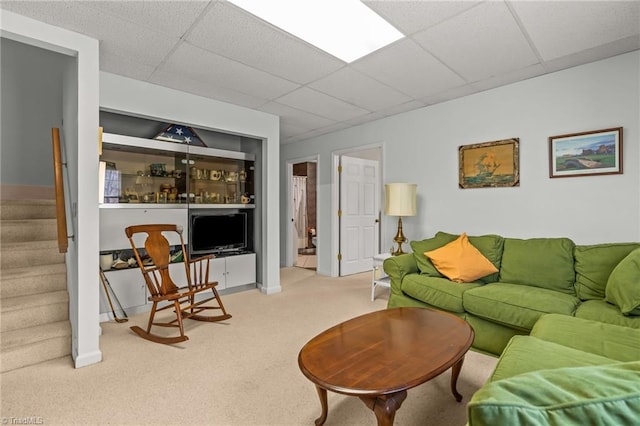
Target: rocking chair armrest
{"points": [[201, 259], [182, 292]]}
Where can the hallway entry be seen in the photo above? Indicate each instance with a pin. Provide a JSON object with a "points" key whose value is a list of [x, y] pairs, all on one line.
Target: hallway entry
{"points": [[304, 215]]}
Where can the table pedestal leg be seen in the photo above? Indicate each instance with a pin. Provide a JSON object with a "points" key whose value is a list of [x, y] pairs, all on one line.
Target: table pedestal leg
{"points": [[385, 406], [455, 372], [322, 393]]}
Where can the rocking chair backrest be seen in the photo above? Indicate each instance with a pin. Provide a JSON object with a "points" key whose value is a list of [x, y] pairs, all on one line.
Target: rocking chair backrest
{"points": [[156, 275]]}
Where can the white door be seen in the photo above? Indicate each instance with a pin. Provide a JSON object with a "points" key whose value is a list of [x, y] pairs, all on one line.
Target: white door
{"points": [[360, 206]]}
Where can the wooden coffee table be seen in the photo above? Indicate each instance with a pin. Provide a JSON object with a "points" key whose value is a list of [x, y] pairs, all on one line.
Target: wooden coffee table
{"points": [[379, 356]]}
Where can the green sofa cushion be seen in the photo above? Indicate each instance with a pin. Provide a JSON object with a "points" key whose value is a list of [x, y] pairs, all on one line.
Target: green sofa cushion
{"points": [[516, 305], [562, 396], [623, 287], [419, 247], [594, 264], [599, 310], [524, 354], [438, 292], [540, 262], [612, 341]]}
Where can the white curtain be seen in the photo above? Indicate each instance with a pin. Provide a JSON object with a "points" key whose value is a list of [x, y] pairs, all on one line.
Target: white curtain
{"points": [[300, 211]]}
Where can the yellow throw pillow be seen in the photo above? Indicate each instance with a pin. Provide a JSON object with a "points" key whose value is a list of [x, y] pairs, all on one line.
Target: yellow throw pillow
{"points": [[460, 261]]}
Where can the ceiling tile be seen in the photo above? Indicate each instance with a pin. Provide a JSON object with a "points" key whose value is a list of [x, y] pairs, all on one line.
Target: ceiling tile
{"points": [[510, 77], [320, 104], [302, 119], [453, 93], [180, 82], [318, 132], [409, 69], [398, 109], [617, 47], [125, 66], [115, 34], [209, 68], [577, 25], [169, 17], [358, 89], [482, 42], [236, 34], [412, 16]]}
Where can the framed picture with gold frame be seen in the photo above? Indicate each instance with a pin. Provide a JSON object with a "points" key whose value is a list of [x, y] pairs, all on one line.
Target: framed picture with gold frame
{"points": [[597, 152], [489, 164]]}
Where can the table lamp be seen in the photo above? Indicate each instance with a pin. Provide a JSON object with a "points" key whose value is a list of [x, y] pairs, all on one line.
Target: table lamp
{"points": [[400, 200]]}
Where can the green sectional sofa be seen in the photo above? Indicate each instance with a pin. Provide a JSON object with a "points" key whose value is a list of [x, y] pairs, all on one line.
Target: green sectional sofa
{"points": [[568, 371], [535, 277], [564, 319]]}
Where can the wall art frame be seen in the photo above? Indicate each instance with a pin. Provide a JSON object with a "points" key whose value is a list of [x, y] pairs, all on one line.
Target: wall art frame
{"points": [[489, 164], [596, 152]]}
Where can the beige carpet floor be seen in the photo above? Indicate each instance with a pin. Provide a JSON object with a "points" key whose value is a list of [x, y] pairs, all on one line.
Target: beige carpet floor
{"points": [[240, 372]]}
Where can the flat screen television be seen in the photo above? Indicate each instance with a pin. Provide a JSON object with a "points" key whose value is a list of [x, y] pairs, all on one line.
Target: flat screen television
{"points": [[217, 233]]}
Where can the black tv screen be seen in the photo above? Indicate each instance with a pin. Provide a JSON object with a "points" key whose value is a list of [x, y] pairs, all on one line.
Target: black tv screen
{"points": [[214, 233]]}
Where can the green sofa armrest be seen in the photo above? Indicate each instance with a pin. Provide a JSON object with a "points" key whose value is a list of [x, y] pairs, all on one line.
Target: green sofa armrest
{"points": [[399, 266], [603, 395]]}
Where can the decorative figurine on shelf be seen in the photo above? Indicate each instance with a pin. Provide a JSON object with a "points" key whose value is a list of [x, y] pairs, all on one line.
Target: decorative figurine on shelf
{"points": [[173, 194], [243, 175], [158, 169], [245, 198], [215, 175], [131, 195]]}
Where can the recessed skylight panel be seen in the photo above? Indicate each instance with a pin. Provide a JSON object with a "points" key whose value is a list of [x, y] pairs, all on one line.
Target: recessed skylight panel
{"points": [[346, 29]]}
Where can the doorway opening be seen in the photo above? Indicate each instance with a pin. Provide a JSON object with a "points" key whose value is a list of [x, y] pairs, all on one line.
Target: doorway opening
{"points": [[304, 203]]}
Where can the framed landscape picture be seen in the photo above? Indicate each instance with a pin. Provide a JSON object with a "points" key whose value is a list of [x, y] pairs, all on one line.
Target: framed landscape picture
{"points": [[597, 152], [489, 164]]}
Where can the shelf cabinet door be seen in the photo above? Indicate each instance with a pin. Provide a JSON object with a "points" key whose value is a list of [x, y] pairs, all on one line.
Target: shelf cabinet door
{"points": [[240, 270], [129, 288], [217, 272]]}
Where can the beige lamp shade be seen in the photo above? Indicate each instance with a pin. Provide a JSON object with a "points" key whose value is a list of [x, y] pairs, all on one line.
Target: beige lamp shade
{"points": [[400, 199]]}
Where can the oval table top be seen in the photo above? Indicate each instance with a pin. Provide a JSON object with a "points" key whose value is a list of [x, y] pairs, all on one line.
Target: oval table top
{"points": [[385, 351]]}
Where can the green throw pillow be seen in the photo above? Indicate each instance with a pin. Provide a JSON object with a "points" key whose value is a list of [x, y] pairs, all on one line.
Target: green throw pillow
{"points": [[623, 286]]}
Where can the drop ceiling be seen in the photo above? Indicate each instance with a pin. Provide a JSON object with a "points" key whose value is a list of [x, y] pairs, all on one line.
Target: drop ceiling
{"points": [[450, 49]]}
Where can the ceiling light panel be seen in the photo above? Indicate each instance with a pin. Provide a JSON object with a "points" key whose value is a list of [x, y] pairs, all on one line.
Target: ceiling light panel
{"points": [[347, 29]]}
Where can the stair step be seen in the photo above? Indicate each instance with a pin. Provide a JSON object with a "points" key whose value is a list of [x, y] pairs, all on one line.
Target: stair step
{"points": [[27, 209], [32, 253], [36, 309], [28, 230], [16, 282], [27, 336], [18, 356]]}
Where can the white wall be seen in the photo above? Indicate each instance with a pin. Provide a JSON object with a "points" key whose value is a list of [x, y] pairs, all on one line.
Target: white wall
{"points": [[31, 106], [422, 146], [128, 96]]}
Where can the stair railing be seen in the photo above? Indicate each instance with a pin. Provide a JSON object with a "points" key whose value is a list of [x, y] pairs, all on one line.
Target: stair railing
{"points": [[61, 215]]}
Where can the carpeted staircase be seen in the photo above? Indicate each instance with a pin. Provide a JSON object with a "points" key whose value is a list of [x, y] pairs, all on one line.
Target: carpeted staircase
{"points": [[34, 303]]}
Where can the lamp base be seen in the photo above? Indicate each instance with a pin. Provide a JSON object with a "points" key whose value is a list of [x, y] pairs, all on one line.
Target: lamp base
{"points": [[399, 239]]}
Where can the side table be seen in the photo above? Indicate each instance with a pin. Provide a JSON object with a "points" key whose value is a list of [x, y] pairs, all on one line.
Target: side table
{"points": [[379, 278]]}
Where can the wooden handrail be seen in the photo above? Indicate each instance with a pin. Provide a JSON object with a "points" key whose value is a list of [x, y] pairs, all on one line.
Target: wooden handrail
{"points": [[61, 215]]}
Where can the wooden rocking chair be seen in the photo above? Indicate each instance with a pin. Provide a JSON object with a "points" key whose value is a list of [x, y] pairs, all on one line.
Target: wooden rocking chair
{"points": [[164, 293]]}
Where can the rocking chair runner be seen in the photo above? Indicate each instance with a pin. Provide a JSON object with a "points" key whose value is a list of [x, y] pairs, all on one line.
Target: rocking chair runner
{"points": [[164, 293]]}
